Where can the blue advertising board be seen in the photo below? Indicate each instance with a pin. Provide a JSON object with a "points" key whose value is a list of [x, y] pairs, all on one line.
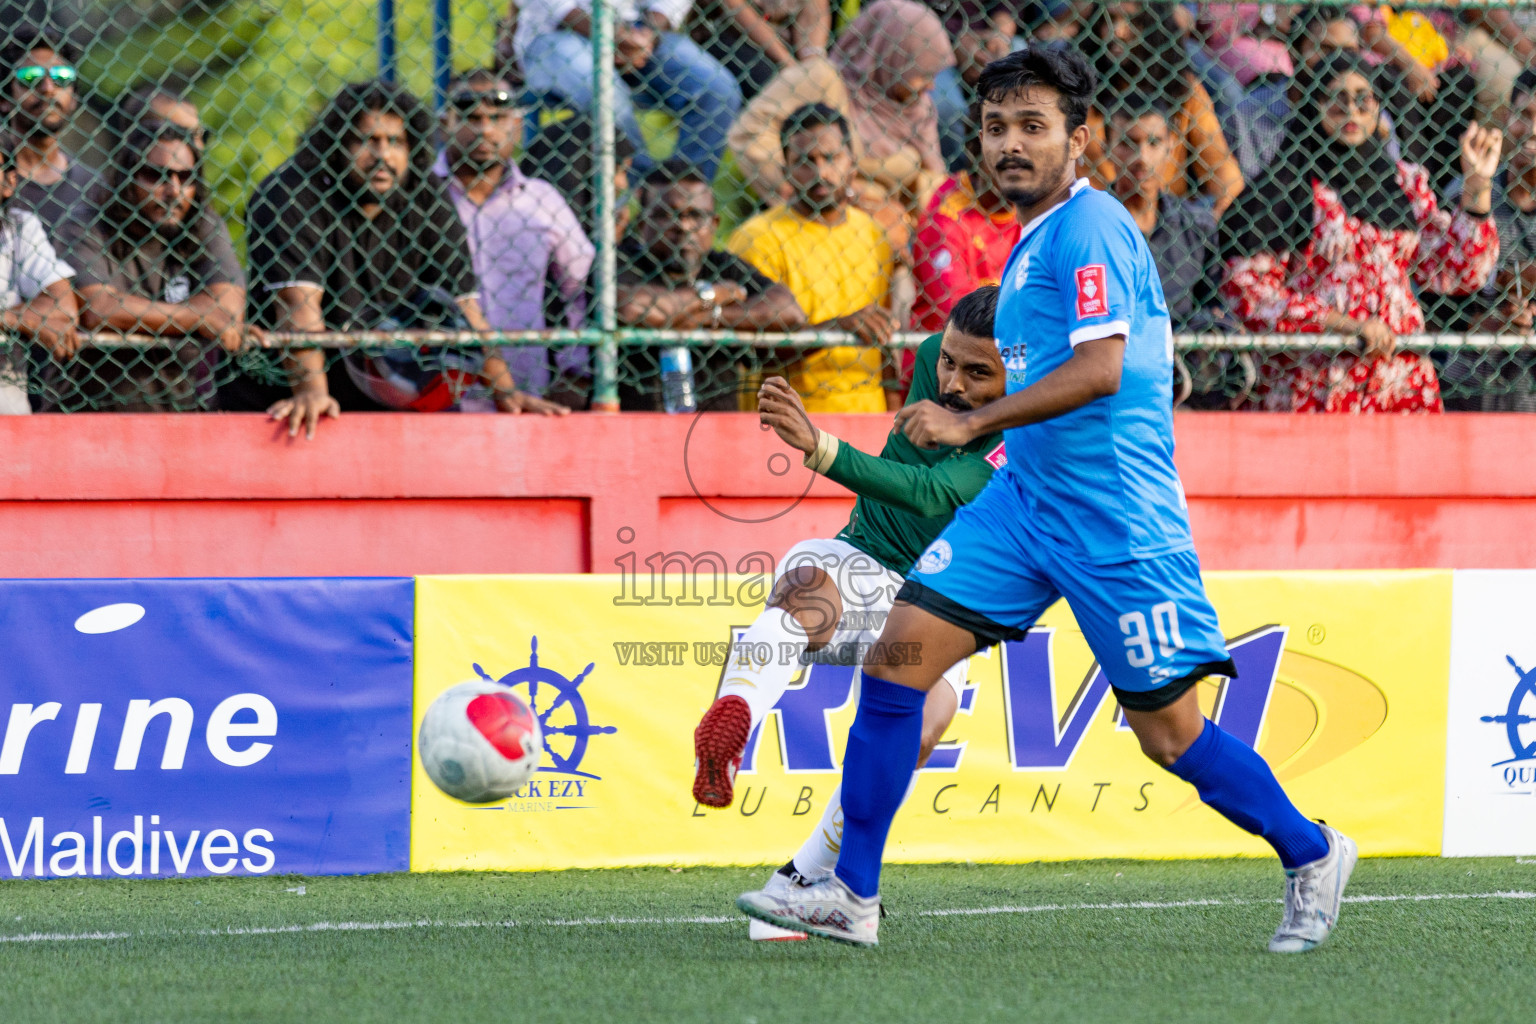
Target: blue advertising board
{"points": [[156, 728]]}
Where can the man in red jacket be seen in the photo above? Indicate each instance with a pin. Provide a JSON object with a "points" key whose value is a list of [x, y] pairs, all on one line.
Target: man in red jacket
{"points": [[963, 240]]}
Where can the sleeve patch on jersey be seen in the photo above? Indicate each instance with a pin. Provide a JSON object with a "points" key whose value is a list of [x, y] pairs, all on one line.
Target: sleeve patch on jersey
{"points": [[1092, 291], [997, 458]]}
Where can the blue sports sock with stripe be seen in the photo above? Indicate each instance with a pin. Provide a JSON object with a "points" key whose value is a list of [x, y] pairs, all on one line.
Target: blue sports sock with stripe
{"points": [[877, 768], [1236, 782]]}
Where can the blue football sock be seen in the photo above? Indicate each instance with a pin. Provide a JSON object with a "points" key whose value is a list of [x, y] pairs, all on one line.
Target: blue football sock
{"points": [[1234, 780], [878, 765]]}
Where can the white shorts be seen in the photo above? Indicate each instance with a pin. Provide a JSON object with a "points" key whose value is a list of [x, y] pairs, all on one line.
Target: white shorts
{"points": [[868, 590]]}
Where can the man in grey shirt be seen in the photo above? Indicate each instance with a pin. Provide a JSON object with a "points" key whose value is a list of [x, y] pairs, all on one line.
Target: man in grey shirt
{"points": [[1182, 236], [1180, 232], [150, 258]]}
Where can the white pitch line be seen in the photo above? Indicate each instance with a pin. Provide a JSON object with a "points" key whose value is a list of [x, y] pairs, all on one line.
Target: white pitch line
{"points": [[1174, 904], [1416, 897], [66, 937], [318, 926], [1043, 907], [583, 922]]}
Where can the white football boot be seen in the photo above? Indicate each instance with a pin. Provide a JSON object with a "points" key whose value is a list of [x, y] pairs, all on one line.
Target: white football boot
{"points": [[780, 882], [828, 910], [1312, 895]]}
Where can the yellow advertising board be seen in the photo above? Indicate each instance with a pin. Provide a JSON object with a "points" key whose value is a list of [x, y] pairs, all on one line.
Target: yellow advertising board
{"points": [[1342, 687]]}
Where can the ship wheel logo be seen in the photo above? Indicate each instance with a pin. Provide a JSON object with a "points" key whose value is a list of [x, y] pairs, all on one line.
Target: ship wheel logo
{"points": [[561, 710], [1516, 715]]}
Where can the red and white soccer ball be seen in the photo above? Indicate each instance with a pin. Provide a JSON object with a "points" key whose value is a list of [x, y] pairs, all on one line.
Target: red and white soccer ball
{"points": [[479, 742]]}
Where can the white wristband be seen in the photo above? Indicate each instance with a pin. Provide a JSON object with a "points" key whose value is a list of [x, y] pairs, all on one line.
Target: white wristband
{"points": [[820, 460]]}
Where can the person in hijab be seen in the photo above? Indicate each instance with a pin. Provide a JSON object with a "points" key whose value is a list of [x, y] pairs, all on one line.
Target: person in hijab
{"points": [[879, 76], [1335, 236]]}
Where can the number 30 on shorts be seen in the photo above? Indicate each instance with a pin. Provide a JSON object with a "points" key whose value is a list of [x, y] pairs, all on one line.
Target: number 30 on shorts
{"points": [[1138, 642]]}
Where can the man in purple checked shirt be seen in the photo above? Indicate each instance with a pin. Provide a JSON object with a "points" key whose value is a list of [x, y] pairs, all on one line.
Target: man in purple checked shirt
{"points": [[523, 237]]}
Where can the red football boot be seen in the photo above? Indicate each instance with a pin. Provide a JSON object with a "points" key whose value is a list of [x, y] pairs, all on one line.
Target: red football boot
{"points": [[718, 744]]}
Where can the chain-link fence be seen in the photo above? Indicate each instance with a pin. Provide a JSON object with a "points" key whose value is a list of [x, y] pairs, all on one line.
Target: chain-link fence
{"points": [[646, 204]]}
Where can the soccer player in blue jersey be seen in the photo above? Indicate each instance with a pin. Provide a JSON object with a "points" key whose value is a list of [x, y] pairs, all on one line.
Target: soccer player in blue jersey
{"points": [[1089, 507]]}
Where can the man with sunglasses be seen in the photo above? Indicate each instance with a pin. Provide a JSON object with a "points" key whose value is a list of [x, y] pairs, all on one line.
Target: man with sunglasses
{"points": [[151, 258], [40, 96], [524, 240]]}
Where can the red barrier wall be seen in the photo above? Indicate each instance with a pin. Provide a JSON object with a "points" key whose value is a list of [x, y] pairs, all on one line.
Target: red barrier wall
{"points": [[227, 495]]}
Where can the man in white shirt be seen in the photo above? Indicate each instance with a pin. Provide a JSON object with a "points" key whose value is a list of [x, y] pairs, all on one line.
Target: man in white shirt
{"points": [[37, 301], [655, 66]]}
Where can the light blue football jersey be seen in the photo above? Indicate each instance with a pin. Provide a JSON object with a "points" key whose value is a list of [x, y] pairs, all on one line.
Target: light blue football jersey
{"points": [[1100, 480]]}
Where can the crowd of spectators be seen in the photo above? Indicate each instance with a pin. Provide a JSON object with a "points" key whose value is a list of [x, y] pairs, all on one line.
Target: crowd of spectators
{"points": [[1363, 170]]}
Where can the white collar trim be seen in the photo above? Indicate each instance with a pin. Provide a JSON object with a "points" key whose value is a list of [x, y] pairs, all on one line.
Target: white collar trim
{"points": [[1077, 186]]}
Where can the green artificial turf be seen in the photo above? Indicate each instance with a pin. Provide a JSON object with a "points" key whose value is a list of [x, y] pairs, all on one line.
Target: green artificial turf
{"points": [[541, 947]]}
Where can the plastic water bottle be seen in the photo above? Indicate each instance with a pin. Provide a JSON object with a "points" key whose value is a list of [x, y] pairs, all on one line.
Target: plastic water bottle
{"points": [[677, 379]]}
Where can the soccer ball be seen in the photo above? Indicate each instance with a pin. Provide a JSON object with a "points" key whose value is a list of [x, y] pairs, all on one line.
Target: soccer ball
{"points": [[479, 742]]}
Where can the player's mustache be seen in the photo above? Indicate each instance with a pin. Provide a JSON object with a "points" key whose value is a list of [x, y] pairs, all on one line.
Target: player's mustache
{"points": [[1014, 163], [952, 400]]}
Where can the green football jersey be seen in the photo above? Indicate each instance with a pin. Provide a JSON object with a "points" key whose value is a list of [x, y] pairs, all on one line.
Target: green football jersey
{"points": [[907, 495]]}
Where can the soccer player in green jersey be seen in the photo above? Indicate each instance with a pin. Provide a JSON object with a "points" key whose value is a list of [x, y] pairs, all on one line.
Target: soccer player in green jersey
{"points": [[838, 591]]}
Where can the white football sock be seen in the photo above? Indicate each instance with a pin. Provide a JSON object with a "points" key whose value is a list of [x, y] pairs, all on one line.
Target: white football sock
{"points": [[762, 683], [818, 857]]}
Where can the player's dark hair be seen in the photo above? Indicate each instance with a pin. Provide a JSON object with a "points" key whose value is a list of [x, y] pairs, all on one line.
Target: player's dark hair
{"points": [[1062, 68], [664, 175], [975, 313], [808, 118]]}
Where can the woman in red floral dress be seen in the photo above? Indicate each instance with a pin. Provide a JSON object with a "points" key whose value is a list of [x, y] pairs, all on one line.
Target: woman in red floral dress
{"points": [[1334, 237]]}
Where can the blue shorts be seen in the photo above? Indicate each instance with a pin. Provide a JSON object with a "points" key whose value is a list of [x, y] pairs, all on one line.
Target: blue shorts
{"points": [[1147, 621]]}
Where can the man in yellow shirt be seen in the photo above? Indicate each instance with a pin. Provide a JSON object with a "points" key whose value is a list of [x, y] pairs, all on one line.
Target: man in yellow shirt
{"points": [[835, 260]]}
